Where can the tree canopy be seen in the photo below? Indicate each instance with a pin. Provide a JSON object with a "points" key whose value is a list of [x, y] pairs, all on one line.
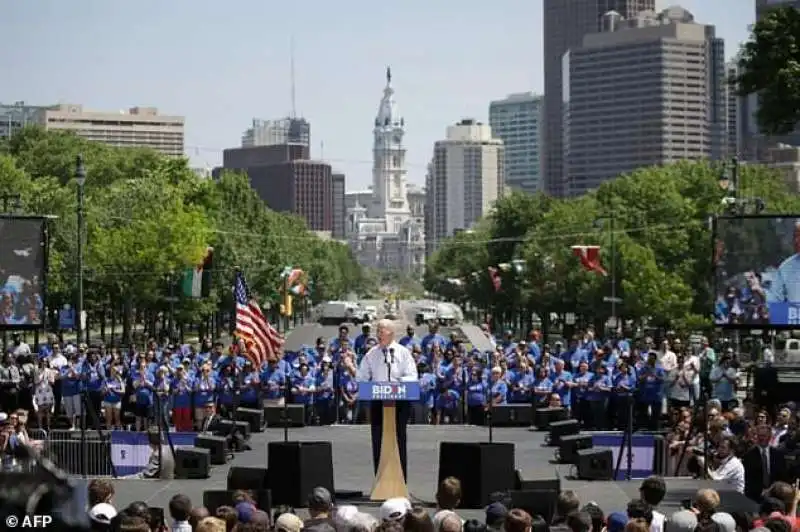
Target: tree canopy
{"points": [[769, 65], [150, 217], [661, 241]]}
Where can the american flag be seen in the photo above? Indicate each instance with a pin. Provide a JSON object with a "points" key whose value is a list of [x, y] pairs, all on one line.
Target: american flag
{"points": [[252, 326]]}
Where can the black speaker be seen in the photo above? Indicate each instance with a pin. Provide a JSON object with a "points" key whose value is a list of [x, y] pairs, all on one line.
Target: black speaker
{"points": [[217, 447], [570, 445], [519, 415], [482, 468], [226, 427], [192, 463], [595, 464], [248, 478], [213, 499], [549, 414], [273, 415], [255, 418], [537, 500], [562, 428], [296, 468]]}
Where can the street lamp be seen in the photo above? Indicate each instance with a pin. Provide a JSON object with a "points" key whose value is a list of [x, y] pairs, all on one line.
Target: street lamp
{"points": [[613, 298], [729, 182], [80, 178]]}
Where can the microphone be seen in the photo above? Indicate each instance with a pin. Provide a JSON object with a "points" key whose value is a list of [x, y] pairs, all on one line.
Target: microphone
{"points": [[391, 352], [386, 356]]}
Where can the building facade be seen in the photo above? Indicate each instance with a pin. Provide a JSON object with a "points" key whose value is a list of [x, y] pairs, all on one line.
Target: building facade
{"points": [[139, 127], [339, 207], [14, 117], [283, 131], [566, 22], [645, 91], [517, 121], [381, 229], [467, 176]]}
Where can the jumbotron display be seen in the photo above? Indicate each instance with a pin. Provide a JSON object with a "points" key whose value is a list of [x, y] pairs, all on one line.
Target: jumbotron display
{"points": [[757, 265], [23, 253]]}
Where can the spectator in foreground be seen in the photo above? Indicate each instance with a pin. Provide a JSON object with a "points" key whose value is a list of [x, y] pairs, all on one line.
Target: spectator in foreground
{"points": [[288, 523], [100, 490], [652, 491], [418, 520], [211, 524], [320, 505], [180, 508], [197, 515], [496, 514], [395, 509], [518, 521]]}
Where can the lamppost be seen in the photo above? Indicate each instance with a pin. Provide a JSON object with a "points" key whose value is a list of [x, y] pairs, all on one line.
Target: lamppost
{"points": [[80, 178], [729, 182], [613, 299]]}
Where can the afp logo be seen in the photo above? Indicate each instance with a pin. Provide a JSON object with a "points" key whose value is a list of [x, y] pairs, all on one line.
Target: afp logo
{"points": [[388, 391]]}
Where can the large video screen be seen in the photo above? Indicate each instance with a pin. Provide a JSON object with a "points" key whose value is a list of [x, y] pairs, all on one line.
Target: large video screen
{"points": [[23, 253], [757, 265]]}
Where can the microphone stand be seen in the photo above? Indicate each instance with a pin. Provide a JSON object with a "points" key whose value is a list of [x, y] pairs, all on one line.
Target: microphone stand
{"points": [[489, 415], [286, 395], [388, 364]]}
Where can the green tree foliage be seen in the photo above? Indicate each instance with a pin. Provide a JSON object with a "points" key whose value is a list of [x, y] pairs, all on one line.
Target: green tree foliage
{"points": [[661, 238], [770, 66], [149, 218]]}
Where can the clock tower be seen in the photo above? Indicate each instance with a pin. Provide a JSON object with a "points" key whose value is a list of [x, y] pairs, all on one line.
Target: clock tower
{"points": [[390, 199]]}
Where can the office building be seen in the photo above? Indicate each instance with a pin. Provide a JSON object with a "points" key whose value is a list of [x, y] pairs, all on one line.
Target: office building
{"points": [[339, 208], [287, 130], [416, 204], [645, 91], [466, 178], [517, 121], [16, 116], [264, 155], [733, 104], [139, 127], [565, 24], [381, 229]]}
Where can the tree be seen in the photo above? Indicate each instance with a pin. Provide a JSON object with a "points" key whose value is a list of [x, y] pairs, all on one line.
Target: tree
{"points": [[769, 65]]}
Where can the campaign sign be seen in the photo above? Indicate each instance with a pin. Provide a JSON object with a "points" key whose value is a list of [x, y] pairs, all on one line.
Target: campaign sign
{"points": [[784, 313], [643, 452], [130, 451], [388, 391]]}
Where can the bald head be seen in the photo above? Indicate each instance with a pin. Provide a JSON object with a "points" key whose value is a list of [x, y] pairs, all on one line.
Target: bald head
{"points": [[451, 523]]}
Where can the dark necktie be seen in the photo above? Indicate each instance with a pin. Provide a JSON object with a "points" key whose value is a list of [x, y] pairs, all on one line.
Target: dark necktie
{"points": [[765, 466]]}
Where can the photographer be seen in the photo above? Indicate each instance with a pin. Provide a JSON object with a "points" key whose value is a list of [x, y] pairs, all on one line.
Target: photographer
{"points": [[725, 466]]}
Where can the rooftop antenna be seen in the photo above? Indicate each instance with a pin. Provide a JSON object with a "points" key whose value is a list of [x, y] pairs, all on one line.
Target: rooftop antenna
{"points": [[291, 74]]}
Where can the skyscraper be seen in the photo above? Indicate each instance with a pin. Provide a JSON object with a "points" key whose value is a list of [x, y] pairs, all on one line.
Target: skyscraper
{"points": [[287, 130], [517, 121], [667, 105], [465, 179], [565, 24]]}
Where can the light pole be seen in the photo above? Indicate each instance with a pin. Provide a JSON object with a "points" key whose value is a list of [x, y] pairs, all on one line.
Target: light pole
{"points": [[80, 178], [733, 202], [613, 299]]}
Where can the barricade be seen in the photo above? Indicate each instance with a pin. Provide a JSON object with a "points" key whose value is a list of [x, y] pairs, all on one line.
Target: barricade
{"points": [[91, 457]]}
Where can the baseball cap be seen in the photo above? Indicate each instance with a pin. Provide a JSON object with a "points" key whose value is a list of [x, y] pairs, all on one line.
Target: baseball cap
{"points": [[320, 498], [244, 511], [288, 523], [616, 521], [495, 513], [394, 509], [102, 513], [346, 512]]}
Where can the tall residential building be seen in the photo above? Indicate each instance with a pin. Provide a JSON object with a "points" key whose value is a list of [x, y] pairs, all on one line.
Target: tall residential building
{"points": [[466, 178], [733, 105], [287, 130], [565, 24], [339, 208], [517, 121], [382, 231], [666, 105], [16, 116], [140, 127]]}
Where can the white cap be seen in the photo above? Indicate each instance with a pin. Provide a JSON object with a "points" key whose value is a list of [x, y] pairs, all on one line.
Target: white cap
{"points": [[346, 512], [102, 513], [288, 523], [3, 417], [394, 509]]}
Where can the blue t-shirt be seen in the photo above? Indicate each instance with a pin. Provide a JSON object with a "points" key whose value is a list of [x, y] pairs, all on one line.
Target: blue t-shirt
{"points": [[476, 393], [499, 390], [114, 389], [182, 392]]}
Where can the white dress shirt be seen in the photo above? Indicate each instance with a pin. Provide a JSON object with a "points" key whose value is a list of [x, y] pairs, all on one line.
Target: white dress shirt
{"points": [[731, 472], [373, 366], [657, 524]]}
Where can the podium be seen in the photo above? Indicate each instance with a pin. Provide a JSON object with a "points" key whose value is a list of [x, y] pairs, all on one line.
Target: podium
{"points": [[389, 481]]}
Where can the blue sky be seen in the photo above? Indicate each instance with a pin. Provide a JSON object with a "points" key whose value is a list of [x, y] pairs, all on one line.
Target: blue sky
{"points": [[220, 64]]}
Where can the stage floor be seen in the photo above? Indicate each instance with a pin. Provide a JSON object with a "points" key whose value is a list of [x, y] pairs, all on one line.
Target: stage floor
{"points": [[352, 456]]}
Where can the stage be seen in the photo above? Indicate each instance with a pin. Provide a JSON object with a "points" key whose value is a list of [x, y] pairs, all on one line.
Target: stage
{"points": [[353, 468]]}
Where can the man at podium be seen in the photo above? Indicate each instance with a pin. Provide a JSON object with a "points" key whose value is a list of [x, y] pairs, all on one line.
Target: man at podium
{"points": [[388, 361]]}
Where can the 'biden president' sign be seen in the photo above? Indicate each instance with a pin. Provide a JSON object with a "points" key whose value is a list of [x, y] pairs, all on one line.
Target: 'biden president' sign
{"points": [[388, 391]]}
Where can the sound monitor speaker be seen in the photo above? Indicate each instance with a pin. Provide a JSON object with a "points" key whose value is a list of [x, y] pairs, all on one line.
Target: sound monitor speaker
{"points": [[213, 499], [227, 427], [595, 464], [482, 468], [570, 445], [562, 428], [296, 468], [254, 417], [536, 501], [248, 478], [512, 415], [216, 445], [273, 415], [543, 417], [192, 463]]}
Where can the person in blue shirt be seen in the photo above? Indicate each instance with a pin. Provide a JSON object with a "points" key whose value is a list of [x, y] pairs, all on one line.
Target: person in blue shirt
{"points": [[343, 341], [498, 388], [303, 388], [423, 411], [650, 391], [476, 397], [94, 376], [624, 386], [433, 336], [71, 388], [226, 386], [562, 383], [409, 340], [273, 383], [542, 387], [205, 387], [143, 387], [161, 396], [182, 400], [348, 389], [113, 391], [581, 380], [520, 382], [451, 384], [250, 390], [325, 397], [597, 394], [362, 339]]}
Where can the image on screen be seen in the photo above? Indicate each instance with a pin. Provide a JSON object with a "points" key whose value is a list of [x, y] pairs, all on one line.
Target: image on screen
{"points": [[757, 265], [22, 263]]}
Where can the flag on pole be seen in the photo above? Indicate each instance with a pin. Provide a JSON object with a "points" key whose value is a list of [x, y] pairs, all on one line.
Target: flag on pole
{"points": [[196, 281], [494, 276], [590, 258], [262, 340]]}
